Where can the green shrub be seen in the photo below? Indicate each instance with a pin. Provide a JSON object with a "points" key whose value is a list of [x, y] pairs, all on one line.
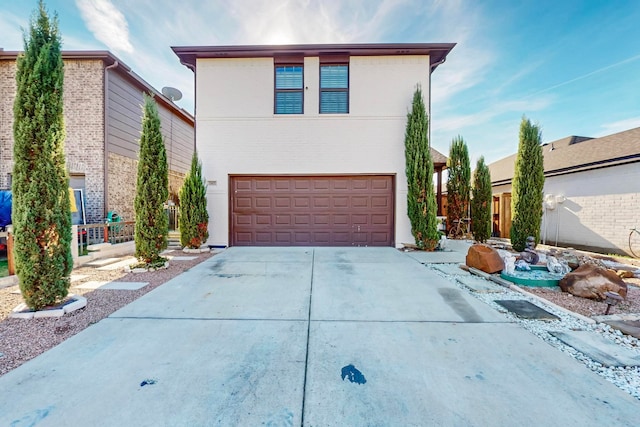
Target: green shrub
{"points": [[481, 202], [41, 205], [194, 218], [152, 224], [458, 183], [527, 188], [421, 200]]}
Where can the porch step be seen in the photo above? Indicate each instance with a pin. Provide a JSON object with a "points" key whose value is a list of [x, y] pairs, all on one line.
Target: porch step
{"points": [[173, 240]]}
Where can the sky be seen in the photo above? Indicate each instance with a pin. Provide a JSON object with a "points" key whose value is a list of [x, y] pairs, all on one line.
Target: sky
{"points": [[571, 66]]}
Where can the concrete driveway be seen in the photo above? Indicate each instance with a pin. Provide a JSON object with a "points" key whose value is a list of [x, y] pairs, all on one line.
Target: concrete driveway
{"points": [[314, 337]]}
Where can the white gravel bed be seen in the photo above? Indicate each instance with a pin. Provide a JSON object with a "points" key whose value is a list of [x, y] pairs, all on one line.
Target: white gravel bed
{"points": [[626, 378]]}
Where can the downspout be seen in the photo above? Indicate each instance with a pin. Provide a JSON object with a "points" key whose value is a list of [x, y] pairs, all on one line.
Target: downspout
{"points": [[192, 67], [439, 189], [106, 135], [431, 68]]}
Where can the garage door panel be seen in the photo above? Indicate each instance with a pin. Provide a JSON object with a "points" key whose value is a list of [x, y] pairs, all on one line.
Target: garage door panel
{"points": [[360, 184], [322, 202], [282, 202], [302, 219], [301, 202], [262, 219], [242, 202], [262, 185], [359, 202], [380, 202], [340, 202], [380, 184], [312, 211], [283, 219], [241, 220]]}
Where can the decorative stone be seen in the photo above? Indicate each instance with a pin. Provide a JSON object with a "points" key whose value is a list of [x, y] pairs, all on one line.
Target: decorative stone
{"points": [[484, 258], [590, 281], [555, 266], [625, 274]]}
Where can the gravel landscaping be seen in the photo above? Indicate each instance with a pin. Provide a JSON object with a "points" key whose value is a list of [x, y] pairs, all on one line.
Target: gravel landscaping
{"points": [[22, 340]]}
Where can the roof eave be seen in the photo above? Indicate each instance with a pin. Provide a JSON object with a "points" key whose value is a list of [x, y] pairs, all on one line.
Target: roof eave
{"points": [[437, 51]]}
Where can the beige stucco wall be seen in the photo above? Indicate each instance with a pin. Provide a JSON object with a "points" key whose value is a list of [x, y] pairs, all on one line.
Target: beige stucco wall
{"points": [[238, 133]]}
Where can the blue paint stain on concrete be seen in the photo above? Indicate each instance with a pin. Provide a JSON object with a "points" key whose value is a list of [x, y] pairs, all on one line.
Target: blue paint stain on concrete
{"points": [[352, 374], [32, 419]]}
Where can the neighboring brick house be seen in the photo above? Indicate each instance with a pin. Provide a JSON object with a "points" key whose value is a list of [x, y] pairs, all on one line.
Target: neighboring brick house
{"points": [[102, 110], [592, 190], [303, 145]]}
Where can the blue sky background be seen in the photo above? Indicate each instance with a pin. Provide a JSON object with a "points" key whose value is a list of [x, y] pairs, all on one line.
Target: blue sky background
{"points": [[572, 66]]}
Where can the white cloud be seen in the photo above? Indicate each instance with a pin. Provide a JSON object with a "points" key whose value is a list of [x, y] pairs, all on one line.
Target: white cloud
{"points": [[619, 126], [459, 122], [10, 25], [106, 23]]}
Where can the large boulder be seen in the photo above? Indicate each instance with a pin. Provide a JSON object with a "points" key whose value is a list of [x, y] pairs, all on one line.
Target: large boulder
{"points": [[590, 281], [484, 258]]}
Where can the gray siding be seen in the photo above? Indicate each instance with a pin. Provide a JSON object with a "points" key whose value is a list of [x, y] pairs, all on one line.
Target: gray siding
{"points": [[178, 139], [124, 125]]}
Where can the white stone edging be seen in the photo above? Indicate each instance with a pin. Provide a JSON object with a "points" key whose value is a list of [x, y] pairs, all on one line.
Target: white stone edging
{"points": [[23, 312]]}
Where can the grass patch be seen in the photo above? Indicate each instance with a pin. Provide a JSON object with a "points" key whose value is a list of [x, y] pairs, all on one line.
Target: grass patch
{"points": [[4, 268]]}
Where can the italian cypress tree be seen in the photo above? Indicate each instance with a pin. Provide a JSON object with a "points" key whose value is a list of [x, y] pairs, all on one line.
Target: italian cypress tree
{"points": [[421, 200], [458, 184], [194, 218], [528, 184], [152, 224], [41, 206], [481, 202]]}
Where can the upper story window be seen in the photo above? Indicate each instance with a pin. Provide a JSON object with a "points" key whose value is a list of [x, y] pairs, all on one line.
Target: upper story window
{"points": [[334, 88], [289, 93]]}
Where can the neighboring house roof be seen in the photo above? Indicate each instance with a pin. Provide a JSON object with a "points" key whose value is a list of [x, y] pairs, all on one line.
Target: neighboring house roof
{"points": [[437, 51], [575, 154], [439, 159], [111, 60]]}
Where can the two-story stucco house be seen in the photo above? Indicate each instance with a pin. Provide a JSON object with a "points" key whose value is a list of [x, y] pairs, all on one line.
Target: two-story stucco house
{"points": [[304, 144], [102, 111]]}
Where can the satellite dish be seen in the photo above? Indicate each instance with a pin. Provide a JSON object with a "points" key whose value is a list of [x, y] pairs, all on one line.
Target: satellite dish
{"points": [[172, 93]]}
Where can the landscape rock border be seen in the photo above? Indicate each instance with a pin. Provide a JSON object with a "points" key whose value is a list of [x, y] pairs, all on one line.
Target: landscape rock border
{"points": [[196, 251], [70, 304]]}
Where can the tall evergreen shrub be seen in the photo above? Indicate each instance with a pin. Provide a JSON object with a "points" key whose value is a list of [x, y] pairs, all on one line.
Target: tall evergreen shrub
{"points": [[152, 190], [421, 200], [458, 183], [528, 184], [481, 202], [194, 218], [41, 205]]}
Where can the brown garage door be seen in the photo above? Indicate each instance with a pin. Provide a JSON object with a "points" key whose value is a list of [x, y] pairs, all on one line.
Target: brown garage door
{"points": [[312, 210]]}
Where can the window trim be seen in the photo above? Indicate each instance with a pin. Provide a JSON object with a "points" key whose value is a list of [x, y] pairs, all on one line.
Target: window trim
{"points": [[334, 61], [279, 62]]}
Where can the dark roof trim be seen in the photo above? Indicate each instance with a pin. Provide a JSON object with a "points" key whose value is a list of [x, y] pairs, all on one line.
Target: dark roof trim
{"points": [[581, 168], [437, 51], [109, 59]]}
